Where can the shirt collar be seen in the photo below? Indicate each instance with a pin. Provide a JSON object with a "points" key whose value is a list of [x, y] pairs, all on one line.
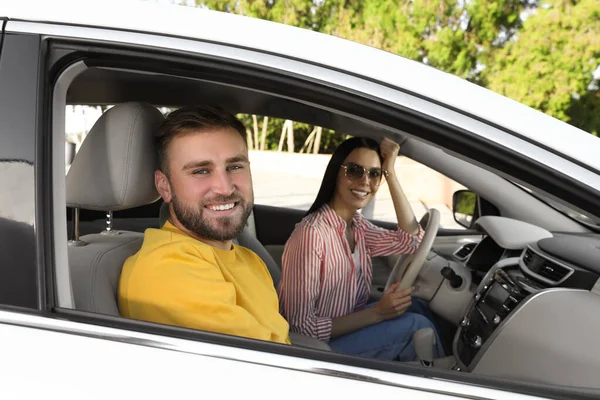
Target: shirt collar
{"points": [[332, 218], [168, 226], [226, 255]]}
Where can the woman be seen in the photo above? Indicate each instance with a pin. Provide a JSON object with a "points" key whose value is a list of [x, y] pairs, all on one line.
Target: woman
{"points": [[327, 269]]}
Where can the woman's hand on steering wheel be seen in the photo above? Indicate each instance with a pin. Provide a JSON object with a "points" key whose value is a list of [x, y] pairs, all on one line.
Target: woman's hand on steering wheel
{"points": [[393, 304]]}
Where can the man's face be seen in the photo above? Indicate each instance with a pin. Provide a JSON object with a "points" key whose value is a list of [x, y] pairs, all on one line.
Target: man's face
{"points": [[209, 183]]}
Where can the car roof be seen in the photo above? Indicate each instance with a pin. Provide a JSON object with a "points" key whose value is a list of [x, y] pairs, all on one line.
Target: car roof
{"points": [[326, 50]]}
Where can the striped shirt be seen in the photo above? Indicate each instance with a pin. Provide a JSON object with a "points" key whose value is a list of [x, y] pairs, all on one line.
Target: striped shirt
{"points": [[319, 281]]}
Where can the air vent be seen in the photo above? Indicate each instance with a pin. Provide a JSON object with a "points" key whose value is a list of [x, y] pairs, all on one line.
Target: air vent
{"points": [[528, 257], [465, 251], [553, 271], [544, 269]]}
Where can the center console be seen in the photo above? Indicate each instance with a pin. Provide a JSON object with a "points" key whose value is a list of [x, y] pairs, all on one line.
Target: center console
{"points": [[496, 299]]}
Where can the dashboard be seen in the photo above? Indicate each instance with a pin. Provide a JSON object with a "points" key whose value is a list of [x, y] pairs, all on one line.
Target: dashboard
{"points": [[521, 276]]}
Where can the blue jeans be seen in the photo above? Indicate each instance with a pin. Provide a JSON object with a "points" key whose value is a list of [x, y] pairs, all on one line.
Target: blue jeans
{"points": [[391, 339]]}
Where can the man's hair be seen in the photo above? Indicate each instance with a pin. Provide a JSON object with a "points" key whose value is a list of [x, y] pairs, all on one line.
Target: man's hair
{"points": [[188, 119]]}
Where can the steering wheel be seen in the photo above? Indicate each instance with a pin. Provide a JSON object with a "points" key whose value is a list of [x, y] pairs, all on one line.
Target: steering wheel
{"points": [[408, 266]]}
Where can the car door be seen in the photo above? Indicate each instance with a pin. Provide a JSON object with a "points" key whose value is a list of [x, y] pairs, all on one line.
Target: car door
{"points": [[144, 359]]}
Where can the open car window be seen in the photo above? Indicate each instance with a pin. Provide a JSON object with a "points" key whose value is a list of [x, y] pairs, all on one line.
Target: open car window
{"points": [[288, 161]]}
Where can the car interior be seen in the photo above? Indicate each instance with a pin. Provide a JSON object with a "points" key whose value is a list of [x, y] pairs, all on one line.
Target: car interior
{"points": [[514, 292]]}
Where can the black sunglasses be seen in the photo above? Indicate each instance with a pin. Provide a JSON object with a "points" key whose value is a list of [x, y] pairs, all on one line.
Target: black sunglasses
{"points": [[355, 172]]}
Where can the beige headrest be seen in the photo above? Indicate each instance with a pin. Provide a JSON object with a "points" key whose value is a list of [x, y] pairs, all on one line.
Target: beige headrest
{"points": [[114, 168]]}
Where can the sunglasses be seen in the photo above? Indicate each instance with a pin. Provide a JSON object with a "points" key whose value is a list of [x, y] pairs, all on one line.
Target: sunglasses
{"points": [[355, 172]]}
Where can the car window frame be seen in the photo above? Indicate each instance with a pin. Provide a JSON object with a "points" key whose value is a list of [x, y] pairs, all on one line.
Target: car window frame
{"points": [[21, 128], [76, 315], [3, 21]]}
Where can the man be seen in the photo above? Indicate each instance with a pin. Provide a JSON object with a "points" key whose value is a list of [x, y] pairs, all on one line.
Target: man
{"points": [[189, 273]]}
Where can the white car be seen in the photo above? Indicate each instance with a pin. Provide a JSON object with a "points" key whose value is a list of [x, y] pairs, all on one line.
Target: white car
{"points": [[517, 292]]}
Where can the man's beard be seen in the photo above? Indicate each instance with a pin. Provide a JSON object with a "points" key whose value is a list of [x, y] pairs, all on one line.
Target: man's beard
{"points": [[222, 228]]}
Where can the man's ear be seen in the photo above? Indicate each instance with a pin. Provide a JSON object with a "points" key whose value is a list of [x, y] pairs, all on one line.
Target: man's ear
{"points": [[162, 186]]}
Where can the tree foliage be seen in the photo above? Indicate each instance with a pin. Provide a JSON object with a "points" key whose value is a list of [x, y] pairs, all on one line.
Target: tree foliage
{"points": [[550, 67], [454, 36], [290, 12]]}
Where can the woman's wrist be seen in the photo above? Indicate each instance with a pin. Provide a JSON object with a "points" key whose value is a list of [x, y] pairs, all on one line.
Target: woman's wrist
{"points": [[375, 316], [390, 170], [391, 177]]}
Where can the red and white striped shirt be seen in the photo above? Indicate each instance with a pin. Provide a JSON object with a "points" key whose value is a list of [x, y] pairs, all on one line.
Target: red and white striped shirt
{"points": [[319, 281]]}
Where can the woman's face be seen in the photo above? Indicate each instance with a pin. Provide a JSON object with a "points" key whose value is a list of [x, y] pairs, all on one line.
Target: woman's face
{"points": [[355, 192]]}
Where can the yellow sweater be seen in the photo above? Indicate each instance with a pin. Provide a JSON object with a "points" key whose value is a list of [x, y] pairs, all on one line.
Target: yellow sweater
{"points": [[177, 280]]}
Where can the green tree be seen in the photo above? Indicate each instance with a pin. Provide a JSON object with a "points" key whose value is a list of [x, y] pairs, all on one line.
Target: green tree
{"points": [[290, 12], [550, 66], [456, 36], [466, 202], [451, 35]]}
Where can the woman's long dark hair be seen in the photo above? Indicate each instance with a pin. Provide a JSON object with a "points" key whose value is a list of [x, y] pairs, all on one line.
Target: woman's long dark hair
{"points": [[329, 183]]}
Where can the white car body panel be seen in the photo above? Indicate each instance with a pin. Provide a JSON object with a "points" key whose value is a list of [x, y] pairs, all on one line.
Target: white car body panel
{"points": [[105, 363]]}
